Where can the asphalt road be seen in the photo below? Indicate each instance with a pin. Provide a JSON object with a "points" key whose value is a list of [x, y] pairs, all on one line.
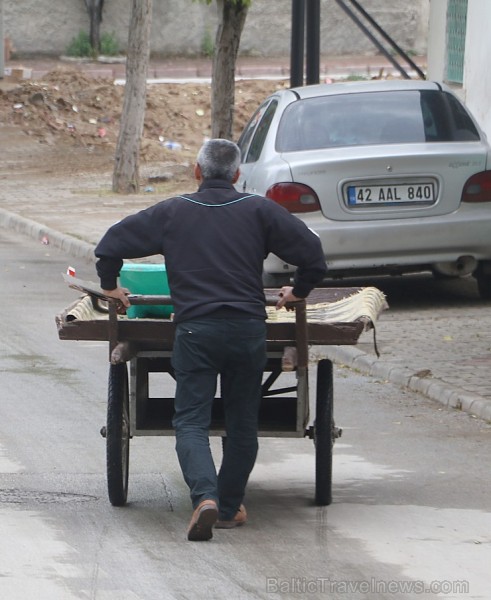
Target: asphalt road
{"points": [[410, 517]]}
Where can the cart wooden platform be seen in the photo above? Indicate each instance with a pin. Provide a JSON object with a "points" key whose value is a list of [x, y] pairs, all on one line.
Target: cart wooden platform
{"points": [[146, 345]]}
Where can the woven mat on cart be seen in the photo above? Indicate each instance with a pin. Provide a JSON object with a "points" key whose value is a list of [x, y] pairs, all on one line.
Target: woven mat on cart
{"points": [[364, 304]]}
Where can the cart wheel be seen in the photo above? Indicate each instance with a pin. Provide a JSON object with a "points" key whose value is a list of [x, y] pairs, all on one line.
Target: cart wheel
{"points": [[323, 434], [118, 435]]}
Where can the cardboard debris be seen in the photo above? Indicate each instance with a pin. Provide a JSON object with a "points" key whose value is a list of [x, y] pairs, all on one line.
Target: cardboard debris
{"points": [[17, 73]]}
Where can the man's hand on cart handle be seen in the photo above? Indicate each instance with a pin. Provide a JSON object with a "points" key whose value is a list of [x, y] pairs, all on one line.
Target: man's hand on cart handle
{"points": [[286, 295], [120, 294]]}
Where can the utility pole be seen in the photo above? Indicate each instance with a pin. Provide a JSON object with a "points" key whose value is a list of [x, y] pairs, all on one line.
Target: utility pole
{"points": [[313, 41], [297, 43], [305, 27]]}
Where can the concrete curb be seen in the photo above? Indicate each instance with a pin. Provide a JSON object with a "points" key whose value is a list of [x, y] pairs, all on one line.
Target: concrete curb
{"points": [[66, 243], [434, 389], [352, 357]]}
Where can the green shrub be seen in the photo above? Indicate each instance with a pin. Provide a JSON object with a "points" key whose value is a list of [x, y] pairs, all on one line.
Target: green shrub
{"points": [[207, 45], [109, 44], [80, 46]]}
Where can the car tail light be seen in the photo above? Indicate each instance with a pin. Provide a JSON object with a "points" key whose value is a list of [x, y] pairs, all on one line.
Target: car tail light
{"points": [[478, 188], [295, 197]]}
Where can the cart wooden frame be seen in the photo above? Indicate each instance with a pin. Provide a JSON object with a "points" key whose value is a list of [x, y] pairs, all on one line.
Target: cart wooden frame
{"points": [[146, 346]]}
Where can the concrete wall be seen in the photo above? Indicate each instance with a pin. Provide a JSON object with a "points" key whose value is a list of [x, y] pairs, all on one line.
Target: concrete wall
{"points": [[180, 27]]}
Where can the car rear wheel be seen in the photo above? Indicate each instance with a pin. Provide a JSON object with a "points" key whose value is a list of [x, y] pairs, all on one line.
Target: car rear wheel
{"points": [[483, 277], [484, 286]]}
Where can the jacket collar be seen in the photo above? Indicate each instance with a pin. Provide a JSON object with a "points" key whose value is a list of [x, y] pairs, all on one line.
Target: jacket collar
{"points": [[215, 183]]}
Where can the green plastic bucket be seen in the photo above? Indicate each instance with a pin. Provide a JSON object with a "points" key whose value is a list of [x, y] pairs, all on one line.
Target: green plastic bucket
{"points": [[146, 279]]}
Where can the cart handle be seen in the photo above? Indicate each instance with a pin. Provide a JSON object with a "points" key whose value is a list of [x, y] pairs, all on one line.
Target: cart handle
{"points": [[300, 321], [95, 290]]}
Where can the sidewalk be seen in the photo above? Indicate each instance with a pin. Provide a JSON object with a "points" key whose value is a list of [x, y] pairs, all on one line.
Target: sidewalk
{"points": [[444, 355], [172, 69]]}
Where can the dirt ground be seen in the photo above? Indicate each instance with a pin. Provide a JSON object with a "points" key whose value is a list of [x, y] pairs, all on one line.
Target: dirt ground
{"points": [[75, 118]]}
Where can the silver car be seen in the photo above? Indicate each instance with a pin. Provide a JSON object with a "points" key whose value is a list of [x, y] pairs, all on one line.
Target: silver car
{"points": [[394, 176]]}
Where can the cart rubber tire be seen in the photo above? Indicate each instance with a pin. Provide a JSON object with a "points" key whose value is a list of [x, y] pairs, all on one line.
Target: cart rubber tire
{"points": [[118, 435], [323, 428]]}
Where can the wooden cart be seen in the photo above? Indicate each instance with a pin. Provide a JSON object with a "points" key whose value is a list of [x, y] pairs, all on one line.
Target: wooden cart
{"points": [[146, 345]]}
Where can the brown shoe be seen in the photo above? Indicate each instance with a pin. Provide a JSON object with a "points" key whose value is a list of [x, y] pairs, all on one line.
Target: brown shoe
{"points": [[202, 521], [239, 520]]}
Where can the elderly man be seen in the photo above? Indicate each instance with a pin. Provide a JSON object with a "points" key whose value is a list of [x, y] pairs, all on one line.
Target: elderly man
{"points": [[214, 242]]}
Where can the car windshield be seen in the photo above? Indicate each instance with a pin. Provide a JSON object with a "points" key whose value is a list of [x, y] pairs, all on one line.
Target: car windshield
{"points": [[411, 116]]}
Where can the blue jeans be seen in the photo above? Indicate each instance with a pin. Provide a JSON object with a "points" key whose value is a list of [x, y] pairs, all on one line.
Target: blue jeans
{"points": [[235, 349]]}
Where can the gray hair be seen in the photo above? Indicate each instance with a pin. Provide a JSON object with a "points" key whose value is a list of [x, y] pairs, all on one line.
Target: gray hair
{"points": [[219, 159]]}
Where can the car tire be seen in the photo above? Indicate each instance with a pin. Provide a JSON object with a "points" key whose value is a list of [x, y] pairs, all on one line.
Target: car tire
{"points": [[483, 277], [484, 285]]}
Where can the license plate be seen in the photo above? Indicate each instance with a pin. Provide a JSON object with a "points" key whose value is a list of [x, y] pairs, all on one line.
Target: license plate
{"points": [[420, 193]]}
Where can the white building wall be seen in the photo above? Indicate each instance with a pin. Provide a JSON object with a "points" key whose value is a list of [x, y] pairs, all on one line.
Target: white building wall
{"points": [[477, 68], [437, 37], [476, 88]]}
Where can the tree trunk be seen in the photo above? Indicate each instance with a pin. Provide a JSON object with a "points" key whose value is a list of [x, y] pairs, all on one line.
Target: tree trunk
{"points": [[94, 8], [231, 18], [126, 164]]}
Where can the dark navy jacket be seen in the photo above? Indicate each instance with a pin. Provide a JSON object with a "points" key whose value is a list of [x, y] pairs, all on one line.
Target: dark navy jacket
{"points": [[214, 242]]}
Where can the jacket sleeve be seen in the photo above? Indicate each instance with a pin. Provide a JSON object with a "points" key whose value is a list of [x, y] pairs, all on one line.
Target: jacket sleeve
{"points": [[135, 236], [292, 241]]}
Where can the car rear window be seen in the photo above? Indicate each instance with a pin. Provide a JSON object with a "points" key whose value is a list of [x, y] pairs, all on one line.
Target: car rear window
{"points": [[411, 116]]}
